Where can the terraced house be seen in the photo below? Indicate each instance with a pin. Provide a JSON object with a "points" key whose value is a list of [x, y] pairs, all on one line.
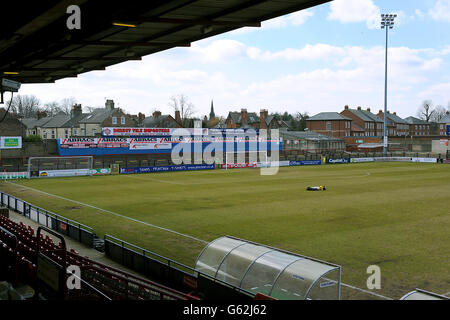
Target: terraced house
{"points": [[418, 127], [397, 126], [330, 124], [364, 122]]}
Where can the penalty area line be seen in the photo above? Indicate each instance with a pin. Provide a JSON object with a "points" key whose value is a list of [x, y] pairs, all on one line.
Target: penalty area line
{"points": [[112, 213]]}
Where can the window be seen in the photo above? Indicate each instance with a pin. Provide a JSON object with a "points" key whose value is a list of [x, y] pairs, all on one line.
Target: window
{"points": [[328, 126], [122, 120], [114, 120], [83, 132], [75, 132], [93, 132], [66, 133], [53, 134], [45, 134], [442, 126]]}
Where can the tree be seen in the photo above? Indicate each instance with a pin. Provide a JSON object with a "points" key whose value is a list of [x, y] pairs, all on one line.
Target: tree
{"points": [[67, 104], [25, 106], [426, 111], [439, 113], [181, 103]]}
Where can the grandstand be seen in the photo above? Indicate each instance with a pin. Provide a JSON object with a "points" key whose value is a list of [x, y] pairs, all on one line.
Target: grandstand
{"points": [[34, 265]]}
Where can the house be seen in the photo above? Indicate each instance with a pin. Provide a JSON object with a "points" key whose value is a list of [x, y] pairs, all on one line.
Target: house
{"points": [[418, 127], [246, 119], [34, 125], [11, 126], [158, 120], [92, 124], [443, 123], [330, 124], [397, 126], [365, 123], [308, 140], [243, 119]]}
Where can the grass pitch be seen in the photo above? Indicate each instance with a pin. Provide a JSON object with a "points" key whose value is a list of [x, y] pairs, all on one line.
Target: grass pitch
{"points": [[394, 215]]}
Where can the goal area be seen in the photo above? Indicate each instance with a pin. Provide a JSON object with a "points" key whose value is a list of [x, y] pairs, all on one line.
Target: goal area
{"points": [[44, 167]]}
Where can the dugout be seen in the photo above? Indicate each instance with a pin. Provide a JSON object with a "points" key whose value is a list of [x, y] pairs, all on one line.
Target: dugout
{"points": [[420, 294], [273, 272]]}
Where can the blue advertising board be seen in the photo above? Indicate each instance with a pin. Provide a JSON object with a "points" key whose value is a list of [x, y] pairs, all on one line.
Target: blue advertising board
{"points": [[305, 162], [182, 167], [341, 160], [447, 129]]}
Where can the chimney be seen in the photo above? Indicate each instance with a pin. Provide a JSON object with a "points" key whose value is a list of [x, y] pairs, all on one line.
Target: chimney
{"points": [[368, 109], [156, 114], [388, 112], [244, 117], [141, 118], [177, 116], [346, 108], [395, 113], [447, 112], [359, 108], [262, 119], [109, 104], [380, 111], [76, 110]]}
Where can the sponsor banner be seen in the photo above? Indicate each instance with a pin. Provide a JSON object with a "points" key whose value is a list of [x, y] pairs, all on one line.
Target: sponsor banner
{"points": [[272, 164], [447, 131], [355, 160], [65, 173], [401, 159], [150, 146], [239, 165], [10, 142], [102, 171], [127, 132], [13, 175], [305, 162], [444, 142], [425, 160], [182, 167], [446, 161], [342, 160]]}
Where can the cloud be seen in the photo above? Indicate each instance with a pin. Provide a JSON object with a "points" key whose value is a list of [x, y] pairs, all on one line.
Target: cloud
{"points": [[440, 11], [349, 11]]}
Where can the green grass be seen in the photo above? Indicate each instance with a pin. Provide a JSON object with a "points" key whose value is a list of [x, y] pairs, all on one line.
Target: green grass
{"points": [[394, 215]]}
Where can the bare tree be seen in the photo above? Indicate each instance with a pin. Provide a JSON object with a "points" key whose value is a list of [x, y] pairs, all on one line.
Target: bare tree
{"points": [[25, 106], [426, 111], [67, 104], [51, 108], [181, 103], [439, 113]]}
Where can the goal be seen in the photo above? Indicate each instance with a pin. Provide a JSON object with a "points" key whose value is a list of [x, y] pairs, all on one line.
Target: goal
{"points": [[43, 167]]}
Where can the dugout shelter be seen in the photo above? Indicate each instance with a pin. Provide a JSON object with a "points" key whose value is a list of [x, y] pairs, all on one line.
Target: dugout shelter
{"points": [[269, 271]]}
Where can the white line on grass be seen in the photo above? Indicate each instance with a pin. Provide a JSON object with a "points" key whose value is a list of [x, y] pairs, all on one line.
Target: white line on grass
{"points": [[113, 213], [165, 229]]}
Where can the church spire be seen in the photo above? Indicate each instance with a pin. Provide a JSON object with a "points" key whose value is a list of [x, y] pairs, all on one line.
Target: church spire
{"points": [[211, 114]]}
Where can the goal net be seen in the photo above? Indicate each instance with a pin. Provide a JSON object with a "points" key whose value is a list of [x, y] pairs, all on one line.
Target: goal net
{"points": [[43, 167]]}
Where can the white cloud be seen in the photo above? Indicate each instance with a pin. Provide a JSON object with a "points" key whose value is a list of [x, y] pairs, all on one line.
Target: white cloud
{"points": [[440, 11], [348, 11], [351, 75]]}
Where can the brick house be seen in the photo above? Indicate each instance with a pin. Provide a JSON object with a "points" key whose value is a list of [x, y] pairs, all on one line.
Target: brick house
{"points": [[331, 124], [158, 120], [364, 122], [396, 125], [246, 119], [418, 127]]}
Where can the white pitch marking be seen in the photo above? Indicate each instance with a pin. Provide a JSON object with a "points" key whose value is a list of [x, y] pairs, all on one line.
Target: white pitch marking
{"points": [[113, 213]]}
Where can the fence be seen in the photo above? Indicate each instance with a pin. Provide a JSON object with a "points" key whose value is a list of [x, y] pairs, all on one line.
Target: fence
{"points": [[68, 227], [169, 272]]}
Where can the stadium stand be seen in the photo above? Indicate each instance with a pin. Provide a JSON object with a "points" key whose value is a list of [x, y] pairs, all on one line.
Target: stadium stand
{"points": [[28, 259]]}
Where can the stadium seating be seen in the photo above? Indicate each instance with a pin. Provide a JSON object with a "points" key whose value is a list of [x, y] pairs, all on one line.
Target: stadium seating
{"points": [[19, 258]]}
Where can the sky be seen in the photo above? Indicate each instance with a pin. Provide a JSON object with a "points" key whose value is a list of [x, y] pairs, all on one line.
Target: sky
{"points": [[314, 60]]}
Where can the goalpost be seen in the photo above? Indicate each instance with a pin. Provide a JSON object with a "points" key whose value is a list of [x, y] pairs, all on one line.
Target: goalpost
{"points": [[244, 158], [43, 167]]}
